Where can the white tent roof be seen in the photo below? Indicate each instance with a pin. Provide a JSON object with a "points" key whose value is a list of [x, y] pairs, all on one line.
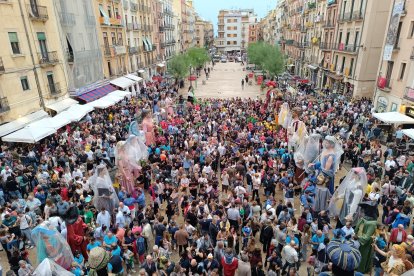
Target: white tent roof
{"points": [[22, 122], [76, 112], [409, 132], [62, 105], [133, 77], [121, 93], [122, 82], [394, 118], [29, 134], [54, 122], [102, 103]]}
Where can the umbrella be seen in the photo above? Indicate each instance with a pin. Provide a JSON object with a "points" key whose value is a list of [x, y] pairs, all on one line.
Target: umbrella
{"points": [[344, 255]]}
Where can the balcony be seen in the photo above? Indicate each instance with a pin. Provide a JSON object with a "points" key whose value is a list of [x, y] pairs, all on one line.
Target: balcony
{"points": [[409, 93], [4, 105], [328, 24], [48, 58], [134, 7], [54, 90], [67, 19], [348, 17], [348, 48], [119, 50], [129, 26], [325, 46], [2, 69], [411, 56], [133, 50], [38, 13], [107, 51]]}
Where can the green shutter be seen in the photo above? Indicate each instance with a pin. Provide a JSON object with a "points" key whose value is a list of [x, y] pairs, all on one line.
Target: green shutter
{"points": [[41, 36], [13, 37]]}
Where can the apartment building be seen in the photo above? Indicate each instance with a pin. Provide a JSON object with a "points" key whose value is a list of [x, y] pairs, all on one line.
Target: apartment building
{"points": [[31, 57], [336, 43], [189, 34], [395, 84], [268, 27], [234, 29], [199, 32], [166, 29], [209, 34], [134, 38]]}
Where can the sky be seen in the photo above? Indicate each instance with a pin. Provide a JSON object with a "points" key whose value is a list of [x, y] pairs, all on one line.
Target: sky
{"points": [[208, 9]]}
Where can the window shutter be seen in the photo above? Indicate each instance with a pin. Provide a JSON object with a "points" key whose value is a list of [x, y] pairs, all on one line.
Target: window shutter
{"points": [[13, 37]]}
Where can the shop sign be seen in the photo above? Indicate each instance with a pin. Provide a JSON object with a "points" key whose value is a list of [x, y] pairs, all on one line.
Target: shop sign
{"points": [[409, 111], [382, 104]]}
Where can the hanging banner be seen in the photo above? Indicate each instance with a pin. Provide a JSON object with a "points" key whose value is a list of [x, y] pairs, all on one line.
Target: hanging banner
{"points": [[393, 29]]}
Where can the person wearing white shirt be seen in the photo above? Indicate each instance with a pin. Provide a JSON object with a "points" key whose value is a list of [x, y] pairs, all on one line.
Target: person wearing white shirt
{"points": [[289, 255], [120, 219], [6, 172], [390, 163], [104, 218], [348, 230]]}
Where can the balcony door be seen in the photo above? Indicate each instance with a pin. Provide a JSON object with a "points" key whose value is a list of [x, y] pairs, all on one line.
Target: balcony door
{"points": [[51, 83], [41, 37], [33, 6]]}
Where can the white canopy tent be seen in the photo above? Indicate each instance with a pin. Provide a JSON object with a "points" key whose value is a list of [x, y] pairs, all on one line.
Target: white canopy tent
{"points": [[76, 112], [29, 134], [62, 105], [134, 77], [393, 118], [121, 93], [54, 122], [122, 82], [102, 103], [114, 98], [22, 122], [409, 132]]}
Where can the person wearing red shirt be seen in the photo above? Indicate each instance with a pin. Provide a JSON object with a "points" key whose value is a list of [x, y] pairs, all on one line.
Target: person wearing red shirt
{"points": [[229, 263], [398, 235]]}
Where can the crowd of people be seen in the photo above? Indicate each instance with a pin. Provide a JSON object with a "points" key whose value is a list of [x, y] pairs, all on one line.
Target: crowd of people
{"points": [[157, 185]]}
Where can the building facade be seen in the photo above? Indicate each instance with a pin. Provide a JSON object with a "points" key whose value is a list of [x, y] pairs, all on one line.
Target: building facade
{"points": [[31, 58], [234, 29], [336, 44], [395, 83]]}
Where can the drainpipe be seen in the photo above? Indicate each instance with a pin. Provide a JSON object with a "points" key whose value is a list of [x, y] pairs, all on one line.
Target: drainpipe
{"points": [[39, 90]]}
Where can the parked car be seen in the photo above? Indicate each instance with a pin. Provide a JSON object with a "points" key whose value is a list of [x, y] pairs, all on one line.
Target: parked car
{"points": [[223, 60]]}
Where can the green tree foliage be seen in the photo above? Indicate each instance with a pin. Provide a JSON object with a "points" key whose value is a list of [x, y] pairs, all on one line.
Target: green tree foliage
{"points": [[197, 57], [178, 66], [267, 56]]}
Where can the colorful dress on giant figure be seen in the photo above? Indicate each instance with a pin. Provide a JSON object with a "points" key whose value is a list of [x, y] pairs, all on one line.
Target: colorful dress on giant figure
{"points": [[51, 244], [148, 127], [169, 104], [306, 153], [330, 158], [284, 117], [125, 173], [104, 193], [76, 231], [322, 193], [296, 130], [346, 199]]}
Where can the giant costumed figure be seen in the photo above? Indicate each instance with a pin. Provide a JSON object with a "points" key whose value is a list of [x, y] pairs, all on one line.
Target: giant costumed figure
{"points": [[365, 230], [148, 127], [284, 117], [51, 244], [345, 201], [296, 130], [103, 190], [306, 153], [330, 159], [76, 231], [126, 167], [322, 193]]}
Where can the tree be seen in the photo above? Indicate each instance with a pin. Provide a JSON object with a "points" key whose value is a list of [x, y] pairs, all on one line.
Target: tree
{"points": [[178, 66], [197, 57], [267, 56]]}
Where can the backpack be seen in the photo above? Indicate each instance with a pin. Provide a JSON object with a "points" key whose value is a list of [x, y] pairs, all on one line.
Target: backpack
{"points": [[141, 245]]}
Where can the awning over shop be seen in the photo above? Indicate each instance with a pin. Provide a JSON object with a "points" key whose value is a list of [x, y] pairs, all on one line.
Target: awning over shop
{"points": [[133, 77], [123, 82], [102, 103], [97, 93], [53, 122], [62, 105], [76, 112], [29, 134], [312, 67], [393, 118], [22, 122], [121, 93], [409, 132]]}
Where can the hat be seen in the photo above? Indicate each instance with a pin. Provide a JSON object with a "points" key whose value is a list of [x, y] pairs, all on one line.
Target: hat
{"points": [[410, 237], [98, 258], [344, 255]]}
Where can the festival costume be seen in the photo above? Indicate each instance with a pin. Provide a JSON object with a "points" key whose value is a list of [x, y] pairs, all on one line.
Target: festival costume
{"points": [[104, 192], [76, 236], [51, 244], [285, 116], [148, 128], [330, 159], [322, 193], [365, 229], [345, 201], [126, 168], [169, 104]]}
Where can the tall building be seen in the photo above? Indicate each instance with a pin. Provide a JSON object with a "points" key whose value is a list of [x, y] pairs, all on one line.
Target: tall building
{"points": [[395, 83], [189, 34], [166, 29], [32, 71], [199, 32], [233, 29], [209, 34], [335, 43]]}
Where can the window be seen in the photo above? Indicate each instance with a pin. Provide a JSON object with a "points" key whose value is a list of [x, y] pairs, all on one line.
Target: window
{"points": [[109, 11], [14, 42], [228, 20], [402, 71], [351, 67], [390, 66], [343, 64], [336, 61], [411, 34], [25, 83], [120, 42], [397, 39], [117, 13], [113, 38], [228, 42]]}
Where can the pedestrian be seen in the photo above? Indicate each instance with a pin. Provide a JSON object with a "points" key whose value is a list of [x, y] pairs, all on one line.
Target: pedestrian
{"points": [[242, 84]]}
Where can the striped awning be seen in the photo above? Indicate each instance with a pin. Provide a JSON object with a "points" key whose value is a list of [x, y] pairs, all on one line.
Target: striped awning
{"points": [[96, 93]]}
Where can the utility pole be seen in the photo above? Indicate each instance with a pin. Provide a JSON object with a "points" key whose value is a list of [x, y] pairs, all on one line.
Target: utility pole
{"points": [[39, 90]]}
